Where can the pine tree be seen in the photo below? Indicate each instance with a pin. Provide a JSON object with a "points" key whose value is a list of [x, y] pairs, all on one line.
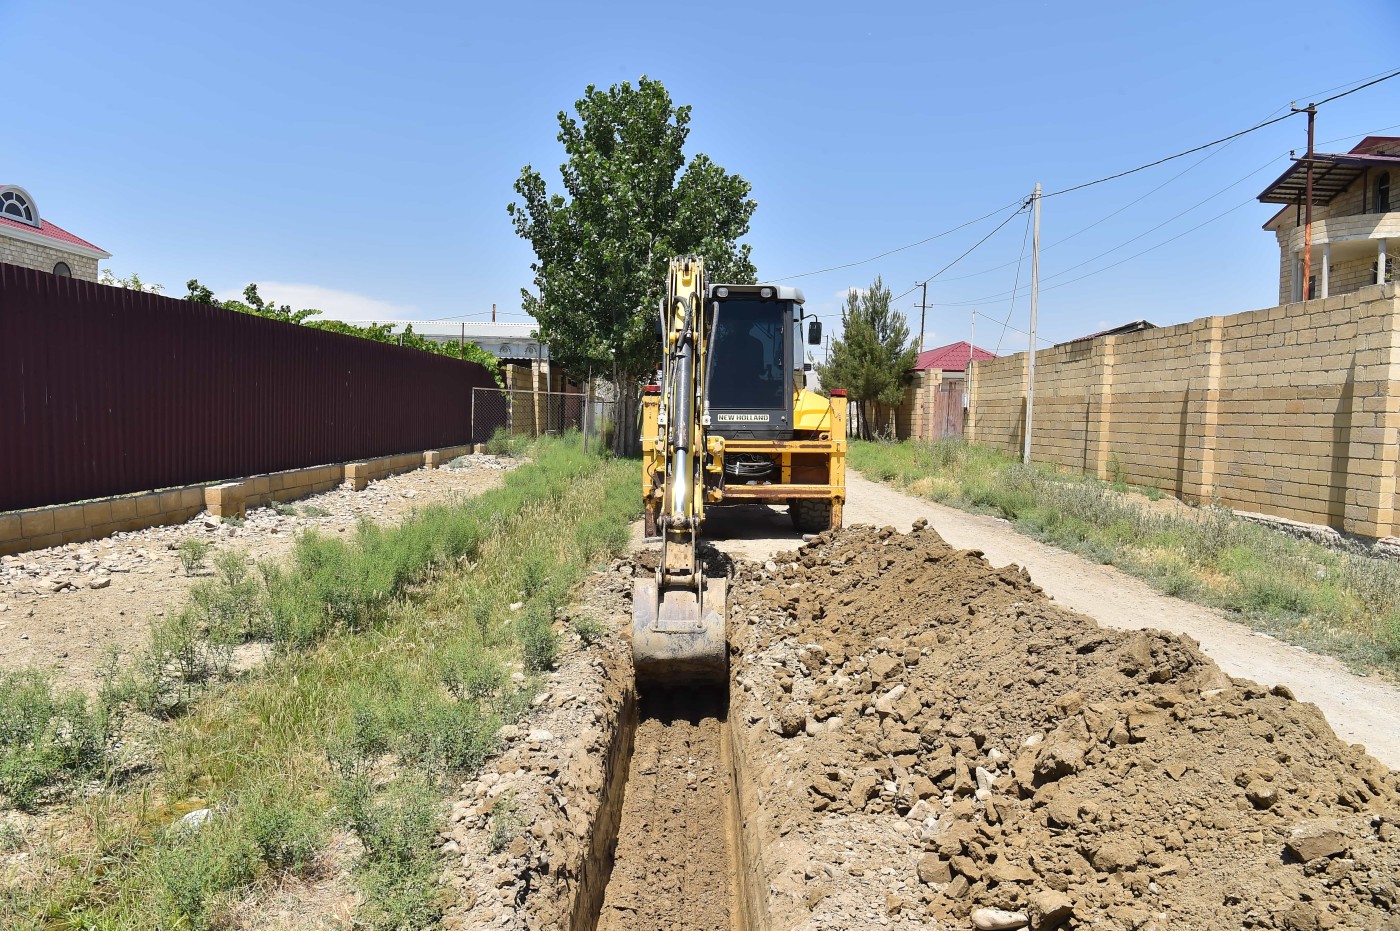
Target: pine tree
{"points": [[874, 355]]}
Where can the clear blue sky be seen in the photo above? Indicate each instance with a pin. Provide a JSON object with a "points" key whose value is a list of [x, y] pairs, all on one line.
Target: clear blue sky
{"points": [[360, 155]]}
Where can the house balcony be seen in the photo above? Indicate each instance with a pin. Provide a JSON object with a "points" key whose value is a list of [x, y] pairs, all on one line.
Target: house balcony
{"points": [[1348, 252]]}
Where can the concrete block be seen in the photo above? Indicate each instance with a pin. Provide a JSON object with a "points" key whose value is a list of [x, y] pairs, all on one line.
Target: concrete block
{"points": [[10, 528], [96, 513], [68, 518], [123, 508]]}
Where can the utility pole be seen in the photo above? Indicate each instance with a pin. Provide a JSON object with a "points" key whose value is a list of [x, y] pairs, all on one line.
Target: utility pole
{"points": [[1035, 300], [1311, 111], [923, 311]]}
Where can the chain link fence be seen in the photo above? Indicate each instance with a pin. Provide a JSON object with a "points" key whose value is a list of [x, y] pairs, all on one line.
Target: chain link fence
{"points": [[526, 413]]}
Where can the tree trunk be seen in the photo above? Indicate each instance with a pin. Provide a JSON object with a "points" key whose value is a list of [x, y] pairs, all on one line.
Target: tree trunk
{"points": [[627, 418]]}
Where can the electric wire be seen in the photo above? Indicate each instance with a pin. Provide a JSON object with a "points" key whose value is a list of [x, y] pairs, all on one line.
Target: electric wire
{"points": [[1215, 142], [1000, 296], [1015, 285], [1096, 271], [1024, 204], [823, 271]]}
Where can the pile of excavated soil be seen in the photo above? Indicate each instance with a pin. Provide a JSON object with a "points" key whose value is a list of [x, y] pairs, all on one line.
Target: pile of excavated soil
{"points": [[671, 867], [928, 738]]}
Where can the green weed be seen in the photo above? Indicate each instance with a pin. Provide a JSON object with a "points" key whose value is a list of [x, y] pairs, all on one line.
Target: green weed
{"points": [[590, 630], [395, 651], [505, 821], [192, 553], [46, 735]]}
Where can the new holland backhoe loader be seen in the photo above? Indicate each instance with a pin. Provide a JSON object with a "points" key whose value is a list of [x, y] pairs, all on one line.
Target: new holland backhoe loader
{"points": [[730, 422]]}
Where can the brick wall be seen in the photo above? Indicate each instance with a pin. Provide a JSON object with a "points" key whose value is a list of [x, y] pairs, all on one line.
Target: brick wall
{"points": [[1292, 410], [43, 258]]}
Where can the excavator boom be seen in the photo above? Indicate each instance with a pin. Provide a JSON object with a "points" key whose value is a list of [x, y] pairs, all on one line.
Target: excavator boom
{"points": [[678, 631]]}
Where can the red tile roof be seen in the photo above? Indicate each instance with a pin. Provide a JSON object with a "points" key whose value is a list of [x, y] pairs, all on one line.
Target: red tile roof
{"points": [[53, 232], [951, 358]]}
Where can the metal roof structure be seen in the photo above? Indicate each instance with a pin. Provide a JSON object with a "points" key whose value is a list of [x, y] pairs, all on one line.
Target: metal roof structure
{"points": [[1333, 173], [1137, 326]]}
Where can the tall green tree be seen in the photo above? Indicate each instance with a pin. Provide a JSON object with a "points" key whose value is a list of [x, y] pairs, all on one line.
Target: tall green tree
{"points": [[631, 202], [873, 357]]}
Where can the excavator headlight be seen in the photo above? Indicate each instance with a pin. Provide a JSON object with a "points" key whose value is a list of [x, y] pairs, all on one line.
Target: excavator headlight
{"points": [[721, 292], [765, 293]]}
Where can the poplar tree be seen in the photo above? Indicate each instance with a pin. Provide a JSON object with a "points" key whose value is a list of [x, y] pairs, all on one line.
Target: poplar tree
{"points": [[631, 203]]}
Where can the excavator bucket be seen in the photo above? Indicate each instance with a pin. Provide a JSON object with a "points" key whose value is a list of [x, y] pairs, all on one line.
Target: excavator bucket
{"points": [[677, 637]]}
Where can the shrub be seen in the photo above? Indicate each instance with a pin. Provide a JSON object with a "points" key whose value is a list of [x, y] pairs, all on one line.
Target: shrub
{"points": [[469, 672], [195, 870], [46, 735], [191, 553], [284, 824], [503, 443], [590, 630], [505, 821], [398, 872], [539, 645]]}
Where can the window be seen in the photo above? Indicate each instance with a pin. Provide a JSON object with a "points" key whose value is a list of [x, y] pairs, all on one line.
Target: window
{"points": [[62, 270], [15, 205], [746, 351], [1382, 198]]}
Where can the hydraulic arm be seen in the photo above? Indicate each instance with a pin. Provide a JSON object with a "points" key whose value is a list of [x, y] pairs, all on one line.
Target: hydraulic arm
{"points": [[678, 615]]}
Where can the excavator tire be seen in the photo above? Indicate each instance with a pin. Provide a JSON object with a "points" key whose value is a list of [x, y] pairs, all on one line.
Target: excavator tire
{"points": [[810, 515]]}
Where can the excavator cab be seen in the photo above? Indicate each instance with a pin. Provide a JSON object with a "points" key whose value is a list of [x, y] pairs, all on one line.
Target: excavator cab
{"points": [[731, 421]]}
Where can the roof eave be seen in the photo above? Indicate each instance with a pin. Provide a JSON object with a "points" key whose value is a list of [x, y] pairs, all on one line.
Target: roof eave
{"points": [[53, 242]]}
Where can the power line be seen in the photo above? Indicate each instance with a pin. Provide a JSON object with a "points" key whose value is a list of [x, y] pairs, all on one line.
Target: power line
{"points": [[1015, 285], [1038, 339], [822, 271], [1215, 142], [999, 296], [972, 248], [1104, 219], [1096, 271]]}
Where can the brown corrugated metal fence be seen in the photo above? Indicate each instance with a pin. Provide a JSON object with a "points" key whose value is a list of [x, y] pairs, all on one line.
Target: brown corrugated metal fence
{"points": [[105, 391]]}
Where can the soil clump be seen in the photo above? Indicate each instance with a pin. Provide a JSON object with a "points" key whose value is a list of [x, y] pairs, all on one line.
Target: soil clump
{"points": [[929, 738]]}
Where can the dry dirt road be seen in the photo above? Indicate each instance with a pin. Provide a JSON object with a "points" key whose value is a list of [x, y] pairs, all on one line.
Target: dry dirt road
{"points": [[1360, 709]]}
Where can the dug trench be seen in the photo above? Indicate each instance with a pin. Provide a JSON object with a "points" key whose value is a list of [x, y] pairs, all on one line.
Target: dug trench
{"points": [[916, 738]]}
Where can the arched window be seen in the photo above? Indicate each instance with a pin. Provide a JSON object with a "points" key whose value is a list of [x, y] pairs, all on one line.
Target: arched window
{"points": [[17, 205], [62, 270], [1383, 192]]}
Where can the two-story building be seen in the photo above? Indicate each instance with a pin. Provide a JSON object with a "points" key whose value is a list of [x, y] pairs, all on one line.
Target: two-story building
{"points": [[31, 241], [1354, 217]]}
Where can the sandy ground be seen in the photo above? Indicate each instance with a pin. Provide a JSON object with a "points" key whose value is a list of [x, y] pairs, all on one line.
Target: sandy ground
{"points": [[1360, 709], [64, 608]]}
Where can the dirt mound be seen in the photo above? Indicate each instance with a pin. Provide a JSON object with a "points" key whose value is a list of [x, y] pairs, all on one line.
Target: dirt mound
{"points": [[932, 738], [672, 866]]}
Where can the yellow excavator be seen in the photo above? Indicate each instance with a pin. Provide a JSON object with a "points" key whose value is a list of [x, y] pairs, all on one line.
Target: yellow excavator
{"points": [[730, 422]]}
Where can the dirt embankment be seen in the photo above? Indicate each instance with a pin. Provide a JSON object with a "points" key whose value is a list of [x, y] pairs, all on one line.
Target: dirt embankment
{"points": [[933, 739]]}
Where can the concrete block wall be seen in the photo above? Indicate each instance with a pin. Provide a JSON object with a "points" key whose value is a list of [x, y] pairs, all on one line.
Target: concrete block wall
{"points": [[44, 258], [1292, 410], [21, 531], [915, 413]]}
